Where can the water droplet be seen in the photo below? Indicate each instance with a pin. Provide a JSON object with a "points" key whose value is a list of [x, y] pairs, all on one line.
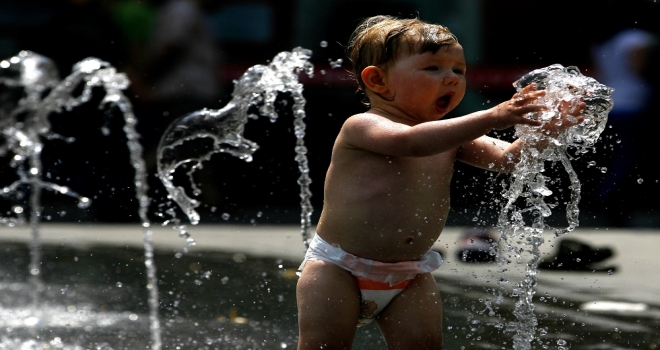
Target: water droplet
{"points": [[640, 181], [133, 317], [224, 280], [31, 321], [84, 203], [225, 216], [561, 342], [324, 43], [119, 284], [336, 63], [603, 170]]}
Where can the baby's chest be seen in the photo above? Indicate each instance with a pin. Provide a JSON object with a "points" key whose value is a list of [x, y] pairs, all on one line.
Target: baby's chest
{"points": [[427, 172]]}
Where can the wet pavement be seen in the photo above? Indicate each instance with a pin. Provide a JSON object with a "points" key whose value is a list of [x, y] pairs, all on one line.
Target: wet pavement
{"points": [[235, 289]]}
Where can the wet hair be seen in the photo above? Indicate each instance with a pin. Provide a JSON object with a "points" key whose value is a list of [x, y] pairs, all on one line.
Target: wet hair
{"points": [[380, 40]]}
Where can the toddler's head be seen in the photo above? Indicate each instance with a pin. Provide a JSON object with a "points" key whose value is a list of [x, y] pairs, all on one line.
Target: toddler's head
{"points": [[380, 40]]}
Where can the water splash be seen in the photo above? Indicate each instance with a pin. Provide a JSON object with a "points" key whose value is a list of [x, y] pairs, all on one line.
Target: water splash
{"points": [[566, 87], [258, 87], [24, 124]]}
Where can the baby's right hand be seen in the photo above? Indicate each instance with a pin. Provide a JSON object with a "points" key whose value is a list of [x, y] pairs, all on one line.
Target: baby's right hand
{"points": [[512, 112]]}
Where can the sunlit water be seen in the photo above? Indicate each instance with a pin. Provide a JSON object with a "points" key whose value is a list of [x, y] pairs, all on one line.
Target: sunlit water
{"points": [[23, 126], [254, 94], [95, 299], [528, 198]]}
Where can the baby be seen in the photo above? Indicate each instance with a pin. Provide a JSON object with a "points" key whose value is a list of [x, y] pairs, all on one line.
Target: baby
{"points": [[387, 187]]}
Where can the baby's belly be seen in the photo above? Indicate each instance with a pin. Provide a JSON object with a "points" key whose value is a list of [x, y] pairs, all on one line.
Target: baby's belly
{"points": [[396, 235], [393, 249]]}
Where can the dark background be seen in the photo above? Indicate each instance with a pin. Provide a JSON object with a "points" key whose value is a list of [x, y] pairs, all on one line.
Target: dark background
{"points": [[503, 40]]}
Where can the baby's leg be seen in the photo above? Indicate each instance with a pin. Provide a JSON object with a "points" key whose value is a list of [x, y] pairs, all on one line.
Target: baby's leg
{"points": [[328, 307], [413, 319]]}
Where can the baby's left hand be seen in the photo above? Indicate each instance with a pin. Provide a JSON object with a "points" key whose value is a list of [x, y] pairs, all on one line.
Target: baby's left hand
{"points": [[569, 115]]}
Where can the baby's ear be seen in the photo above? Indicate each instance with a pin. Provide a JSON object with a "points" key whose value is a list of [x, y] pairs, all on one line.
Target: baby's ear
{"points": [[375, 79]]}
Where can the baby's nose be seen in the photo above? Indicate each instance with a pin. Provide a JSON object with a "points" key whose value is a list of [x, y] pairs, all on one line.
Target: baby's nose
{"points": [[451, 79]]}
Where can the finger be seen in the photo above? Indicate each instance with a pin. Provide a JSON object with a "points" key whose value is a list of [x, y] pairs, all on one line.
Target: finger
{"points": [[574, 121], [569, 108], [528, 88], [532, 122], [531, 108], [525, 98], [569, 121]]}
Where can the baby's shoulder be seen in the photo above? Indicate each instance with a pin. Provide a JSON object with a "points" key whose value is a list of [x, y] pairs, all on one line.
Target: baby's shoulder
{"points": [[364, 117], [366, 120]]}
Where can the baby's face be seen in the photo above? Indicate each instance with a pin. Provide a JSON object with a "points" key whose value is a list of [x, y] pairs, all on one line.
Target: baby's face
{"points": [[427, 86]]}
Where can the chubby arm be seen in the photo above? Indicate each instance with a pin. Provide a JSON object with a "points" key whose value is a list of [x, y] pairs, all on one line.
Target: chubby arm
{"points": [[497, 155], [375, 133], [491, 154]]}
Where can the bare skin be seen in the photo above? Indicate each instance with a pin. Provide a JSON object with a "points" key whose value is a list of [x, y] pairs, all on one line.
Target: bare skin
{"points": [[387, 192]]}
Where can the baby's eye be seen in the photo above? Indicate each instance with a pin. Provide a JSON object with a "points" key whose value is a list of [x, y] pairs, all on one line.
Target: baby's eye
{"points": [[431, 68], [459, 71]]}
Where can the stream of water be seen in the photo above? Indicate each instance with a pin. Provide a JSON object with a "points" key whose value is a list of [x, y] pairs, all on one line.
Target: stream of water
{"points": [[25, 123], [254, 94], [528, 198]]}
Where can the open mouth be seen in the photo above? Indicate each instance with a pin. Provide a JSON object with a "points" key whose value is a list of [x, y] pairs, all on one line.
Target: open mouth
{"points": [[443, 102]]}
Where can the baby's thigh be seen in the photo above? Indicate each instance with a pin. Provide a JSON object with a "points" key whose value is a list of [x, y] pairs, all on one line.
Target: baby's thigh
{"points": [[328, 306], [413, 319]]}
